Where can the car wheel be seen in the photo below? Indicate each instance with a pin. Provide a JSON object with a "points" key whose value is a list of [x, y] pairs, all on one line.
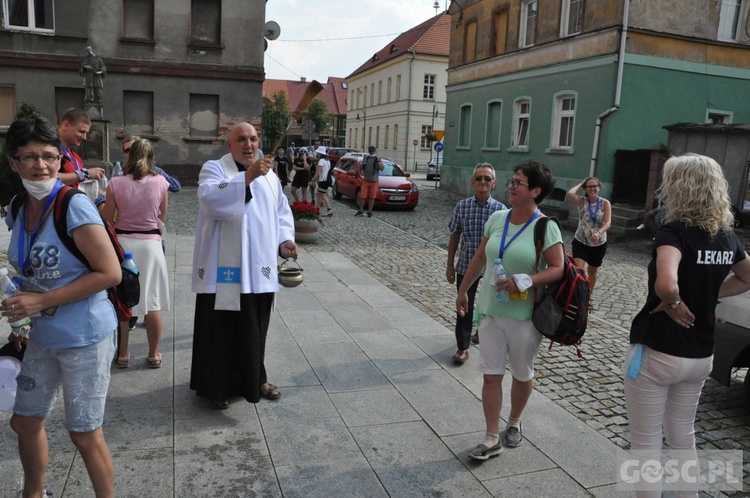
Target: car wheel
{"points": [[430, 177], [336, 194]]}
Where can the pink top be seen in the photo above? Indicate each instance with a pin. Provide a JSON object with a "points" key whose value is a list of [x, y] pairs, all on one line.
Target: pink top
{"points": [[138, 203]]}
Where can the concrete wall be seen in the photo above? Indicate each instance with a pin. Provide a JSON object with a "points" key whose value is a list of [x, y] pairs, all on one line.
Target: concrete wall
{"points": [[170, 66]]}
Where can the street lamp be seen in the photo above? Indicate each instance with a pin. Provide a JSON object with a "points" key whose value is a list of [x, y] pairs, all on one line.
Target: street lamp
{"points": [[364, 127], [436, 6]]}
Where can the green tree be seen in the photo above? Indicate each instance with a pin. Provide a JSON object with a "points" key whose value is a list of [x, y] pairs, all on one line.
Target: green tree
{"points": [[317, 112], [275, 117]]}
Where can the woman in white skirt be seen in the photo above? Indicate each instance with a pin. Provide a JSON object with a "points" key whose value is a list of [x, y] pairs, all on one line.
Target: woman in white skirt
{"points": [[139, 200]]}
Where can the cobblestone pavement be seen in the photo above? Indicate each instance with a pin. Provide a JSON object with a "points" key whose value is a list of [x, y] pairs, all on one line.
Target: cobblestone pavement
{"points": [[407, 252]]}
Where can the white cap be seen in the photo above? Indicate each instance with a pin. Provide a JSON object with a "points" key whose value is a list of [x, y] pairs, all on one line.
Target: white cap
{"points": [[321, 150]]}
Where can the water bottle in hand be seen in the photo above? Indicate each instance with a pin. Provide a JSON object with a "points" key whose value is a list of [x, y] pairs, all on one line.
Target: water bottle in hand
{"points": [[20, 328], [117, 171], [498, 273]]}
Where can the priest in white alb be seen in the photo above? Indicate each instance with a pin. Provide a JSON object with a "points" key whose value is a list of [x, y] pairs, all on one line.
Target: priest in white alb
{"points": [[244, 224]]}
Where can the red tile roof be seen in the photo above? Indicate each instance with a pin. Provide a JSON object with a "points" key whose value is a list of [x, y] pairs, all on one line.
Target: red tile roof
{"points": [[333, 93], [432, 37]]}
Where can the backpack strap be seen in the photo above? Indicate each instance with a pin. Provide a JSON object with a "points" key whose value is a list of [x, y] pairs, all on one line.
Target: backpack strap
{"points": [[540, 228], [61, 222], [16, 203]]}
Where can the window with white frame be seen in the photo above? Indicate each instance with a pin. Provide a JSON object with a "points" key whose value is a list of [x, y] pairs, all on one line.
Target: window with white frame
{"points": [[398, 87], [564, 121], [377, 137], [395, 137], [492, 127], [380, 92], [426, 130], [428, 92], [364, 100], [34, 15], [386, 136], [521, 121], [731, 19], [464, 126], [388, 90], [572, 13], [718, 117], [527, 33], [372, 94]]}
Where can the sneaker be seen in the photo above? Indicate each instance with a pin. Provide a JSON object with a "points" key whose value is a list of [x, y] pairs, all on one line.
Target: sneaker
{"points": [[358, 213], [513, 437], [640, 227], [475, 338], [329, 214], [369, 214], [132, 322], [482, 452]]}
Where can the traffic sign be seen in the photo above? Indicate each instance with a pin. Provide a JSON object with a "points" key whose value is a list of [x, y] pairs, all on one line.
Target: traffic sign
{"points": [[415, 142], [438, 147], [439, 134]]}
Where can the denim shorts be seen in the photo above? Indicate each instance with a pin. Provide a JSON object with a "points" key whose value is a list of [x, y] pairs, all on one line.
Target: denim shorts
{"points": [[81, 373]]}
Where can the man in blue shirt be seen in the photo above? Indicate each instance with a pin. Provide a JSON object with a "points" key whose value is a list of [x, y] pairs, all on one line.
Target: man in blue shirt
{"points": [[467, 226]]}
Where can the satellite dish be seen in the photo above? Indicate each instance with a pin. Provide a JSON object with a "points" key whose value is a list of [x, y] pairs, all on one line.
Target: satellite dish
{"points": [[271, 30]]}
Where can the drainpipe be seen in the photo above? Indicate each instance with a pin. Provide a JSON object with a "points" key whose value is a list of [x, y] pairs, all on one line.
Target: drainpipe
{"points": [[408, 113], [618, 90]]}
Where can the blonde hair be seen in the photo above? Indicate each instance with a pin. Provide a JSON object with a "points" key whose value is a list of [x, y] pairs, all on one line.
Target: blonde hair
{"points": [[695, 192], [140, 161]]}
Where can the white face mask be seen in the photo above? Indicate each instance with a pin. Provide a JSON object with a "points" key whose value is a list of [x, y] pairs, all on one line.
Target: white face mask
{"points": [[39, 189]]}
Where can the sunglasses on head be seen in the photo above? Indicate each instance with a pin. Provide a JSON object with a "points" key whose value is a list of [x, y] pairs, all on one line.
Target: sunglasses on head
{"points": [[126, 151], [487, 179]]}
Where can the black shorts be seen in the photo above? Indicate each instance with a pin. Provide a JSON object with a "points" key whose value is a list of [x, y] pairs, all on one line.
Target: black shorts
{"points": [[593, 255], [323, 187], [301, 179]]}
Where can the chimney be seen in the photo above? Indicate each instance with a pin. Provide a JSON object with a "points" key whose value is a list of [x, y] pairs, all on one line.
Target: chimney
{"points": [[302, 79]]}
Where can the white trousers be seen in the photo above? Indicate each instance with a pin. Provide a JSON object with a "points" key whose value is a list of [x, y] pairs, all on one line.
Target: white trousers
{"points": [[664, 397]]}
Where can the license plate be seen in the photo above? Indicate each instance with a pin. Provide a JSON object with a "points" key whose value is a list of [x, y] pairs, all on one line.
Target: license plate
{"points": [[397, 198]]}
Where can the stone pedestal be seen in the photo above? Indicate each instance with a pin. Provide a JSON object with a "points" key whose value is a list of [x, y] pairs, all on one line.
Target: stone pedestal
{"points": [[95, 149], [306, 231]]}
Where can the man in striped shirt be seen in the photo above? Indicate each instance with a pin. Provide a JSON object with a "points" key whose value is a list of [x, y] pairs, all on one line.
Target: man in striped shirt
{"points": [[467, 226]]}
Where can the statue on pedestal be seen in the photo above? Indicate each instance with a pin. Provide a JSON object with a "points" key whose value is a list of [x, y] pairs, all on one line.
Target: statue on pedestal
{"points": [[93, 71]]}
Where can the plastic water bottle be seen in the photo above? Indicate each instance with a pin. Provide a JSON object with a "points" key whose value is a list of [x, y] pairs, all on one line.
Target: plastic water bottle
{"points": [[117, 171], [21, 328], [129, 264], [498, 273]]}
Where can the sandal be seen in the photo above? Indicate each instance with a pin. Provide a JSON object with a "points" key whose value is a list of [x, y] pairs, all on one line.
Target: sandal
{"points": [[155, 361], [220, 404], [122, 361], [272, 393]]}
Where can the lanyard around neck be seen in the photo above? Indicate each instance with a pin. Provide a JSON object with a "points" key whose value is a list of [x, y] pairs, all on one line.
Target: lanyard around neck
{"points": [[503, 245], [26, 265], [71, 158], [593, 214]]}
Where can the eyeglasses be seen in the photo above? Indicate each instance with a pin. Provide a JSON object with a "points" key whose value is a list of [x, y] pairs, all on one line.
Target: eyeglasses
{"points": [[126, 151], [487, 179], [515, 183], [592, 186], [31, 160]]}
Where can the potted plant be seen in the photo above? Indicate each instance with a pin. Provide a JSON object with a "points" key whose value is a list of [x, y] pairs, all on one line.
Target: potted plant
{"points": [[306, 221]]}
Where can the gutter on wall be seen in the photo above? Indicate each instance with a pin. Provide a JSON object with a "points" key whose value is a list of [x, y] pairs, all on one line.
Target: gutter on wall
{"points": [[408, 111], [618, 89]]}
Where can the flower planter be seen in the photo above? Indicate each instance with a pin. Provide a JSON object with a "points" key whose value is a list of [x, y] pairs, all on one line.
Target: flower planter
{"points": [[306, 231]]}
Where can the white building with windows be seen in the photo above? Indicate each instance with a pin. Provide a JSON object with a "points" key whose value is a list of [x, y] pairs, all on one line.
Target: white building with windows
{"points": [[397, 98], [179, 72]]}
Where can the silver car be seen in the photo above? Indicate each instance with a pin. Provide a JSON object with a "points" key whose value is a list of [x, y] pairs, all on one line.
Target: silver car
{"points": [[433, 168]]}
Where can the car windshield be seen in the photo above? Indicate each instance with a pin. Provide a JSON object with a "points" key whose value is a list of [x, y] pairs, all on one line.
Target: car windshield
{"points": [[391, 169]]}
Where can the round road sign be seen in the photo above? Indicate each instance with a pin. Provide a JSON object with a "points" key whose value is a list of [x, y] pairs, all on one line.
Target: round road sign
{"points": [[415, 142], [438, 147]]}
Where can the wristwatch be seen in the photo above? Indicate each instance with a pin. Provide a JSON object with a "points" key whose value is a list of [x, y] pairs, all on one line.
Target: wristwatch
{"points": [[675, 304]]}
